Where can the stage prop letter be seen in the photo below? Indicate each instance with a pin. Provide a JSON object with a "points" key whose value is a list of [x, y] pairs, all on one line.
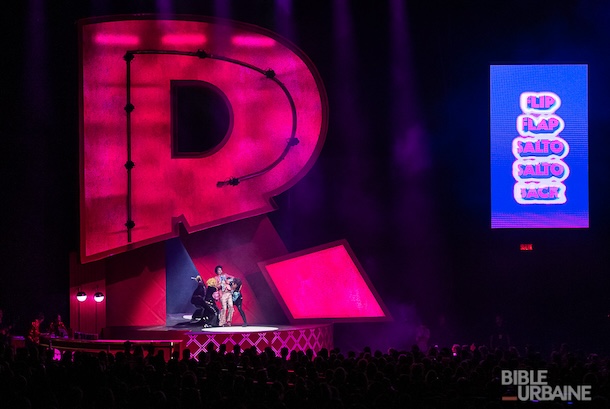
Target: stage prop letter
{"points": [[190, 120]]}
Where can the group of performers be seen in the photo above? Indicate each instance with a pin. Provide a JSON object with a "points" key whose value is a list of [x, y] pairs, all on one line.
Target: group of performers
{"points": [[221, 288]]}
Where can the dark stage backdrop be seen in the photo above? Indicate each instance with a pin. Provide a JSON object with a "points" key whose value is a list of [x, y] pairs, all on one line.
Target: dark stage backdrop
{"points": [[403, 175]]}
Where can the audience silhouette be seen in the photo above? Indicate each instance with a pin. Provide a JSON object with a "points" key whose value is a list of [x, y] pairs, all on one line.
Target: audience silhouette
{"points": [[142, 377]]}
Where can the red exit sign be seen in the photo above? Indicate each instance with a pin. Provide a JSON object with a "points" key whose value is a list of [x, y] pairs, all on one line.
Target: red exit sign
{"points": [[526, 247]]}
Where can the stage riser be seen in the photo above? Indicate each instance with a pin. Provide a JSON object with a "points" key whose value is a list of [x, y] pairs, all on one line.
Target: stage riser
{"points": [[297, 339]]}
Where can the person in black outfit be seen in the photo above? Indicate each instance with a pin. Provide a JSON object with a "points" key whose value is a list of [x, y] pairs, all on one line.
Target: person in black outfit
{"points": [[199, 293], [237, 298], [198, 299], [211, 314]]}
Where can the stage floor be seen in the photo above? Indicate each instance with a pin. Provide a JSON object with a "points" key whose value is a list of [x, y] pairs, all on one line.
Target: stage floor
{"points": [[183, 322]]}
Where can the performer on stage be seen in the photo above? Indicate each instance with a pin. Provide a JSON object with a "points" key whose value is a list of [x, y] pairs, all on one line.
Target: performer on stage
{"points": [[33, 337], [210, 315], [197, 299], [58, 328], [226, 297], [237, 299]]}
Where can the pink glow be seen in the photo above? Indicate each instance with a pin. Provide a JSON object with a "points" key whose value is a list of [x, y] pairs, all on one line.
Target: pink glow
{"points": [[183, 39], [136, 283], [167, 189], [117, 39], [324, 283], [253, 41]]}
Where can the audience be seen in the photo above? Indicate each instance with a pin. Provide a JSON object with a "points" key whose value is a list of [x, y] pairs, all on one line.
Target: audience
{"points": [[451, 377]]}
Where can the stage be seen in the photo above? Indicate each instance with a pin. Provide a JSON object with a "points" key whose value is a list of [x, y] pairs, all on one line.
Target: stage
{"points": [[197, 339]]}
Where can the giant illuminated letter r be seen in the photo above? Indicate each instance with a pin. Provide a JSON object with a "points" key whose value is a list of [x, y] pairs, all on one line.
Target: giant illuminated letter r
{"points": [[191, 120]]}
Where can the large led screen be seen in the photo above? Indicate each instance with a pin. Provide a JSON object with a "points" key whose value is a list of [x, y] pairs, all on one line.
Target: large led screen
{"points": [[539, 146]]}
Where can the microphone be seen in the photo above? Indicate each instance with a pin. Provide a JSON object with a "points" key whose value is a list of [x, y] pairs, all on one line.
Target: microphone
{"points": [[193, 278]]}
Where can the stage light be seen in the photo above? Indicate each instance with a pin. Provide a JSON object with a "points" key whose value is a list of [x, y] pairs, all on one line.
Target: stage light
{"points": [[81, 296], [252, 41], [117, 39], [98, 297], [183, 39]]}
